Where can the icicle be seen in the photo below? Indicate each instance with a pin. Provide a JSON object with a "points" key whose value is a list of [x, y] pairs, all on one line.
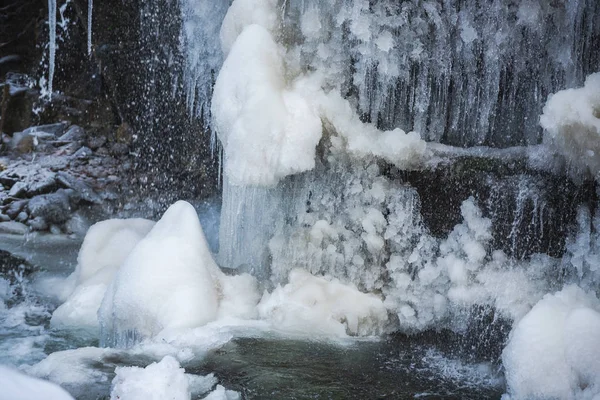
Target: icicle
{"points": [[89, 27], [52, 44]]}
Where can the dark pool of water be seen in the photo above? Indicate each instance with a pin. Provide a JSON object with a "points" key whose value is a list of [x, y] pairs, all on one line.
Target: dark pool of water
{"points": [[399, 368]]}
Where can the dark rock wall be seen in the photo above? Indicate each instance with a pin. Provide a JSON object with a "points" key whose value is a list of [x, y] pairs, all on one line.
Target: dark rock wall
{"points": [[129, 90]]}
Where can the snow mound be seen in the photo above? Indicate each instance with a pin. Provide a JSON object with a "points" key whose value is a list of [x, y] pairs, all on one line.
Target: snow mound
{"points": [[168, 280], [18, 386], [105, 247], [171, 282], [268, 129], [554, 351], [321, 305], [162, 380], [571, 121]]}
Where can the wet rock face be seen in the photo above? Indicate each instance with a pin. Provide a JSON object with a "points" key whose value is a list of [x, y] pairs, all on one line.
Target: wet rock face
{"points": [[128, 95]]}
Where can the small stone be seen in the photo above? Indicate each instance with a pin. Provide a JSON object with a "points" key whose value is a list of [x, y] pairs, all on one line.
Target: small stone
{"points": [[47, 131], [13, 228], [4, 218], [45, 183], [55, 229], [119, 149], [38, 224], [102, 151], [22, 217], [83, 153], [77, 224], [54, 208], [15, 208], [96, 142], [18, 189], [81, 189], [68, 149], [73, 134]]}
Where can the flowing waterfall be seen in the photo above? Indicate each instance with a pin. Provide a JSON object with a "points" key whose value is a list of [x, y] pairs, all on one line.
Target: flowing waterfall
{"points": [[334, 199]]}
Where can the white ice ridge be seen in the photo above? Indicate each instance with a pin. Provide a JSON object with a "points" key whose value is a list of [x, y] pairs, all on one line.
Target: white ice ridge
{"points": [[269, 117], [554, 351], [105, 247], [89, 26], [51, 43], [18, 386], [571, 122]]}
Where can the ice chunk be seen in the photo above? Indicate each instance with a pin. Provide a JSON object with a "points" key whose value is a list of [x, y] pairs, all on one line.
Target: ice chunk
{"points": [[51, 43], [168, 281], [267, 128], [105, 247], [571, 122], [321, 305], [18, 386], [162, 380], [75, 370], [554, 351], [89, 26], [220, 393]]}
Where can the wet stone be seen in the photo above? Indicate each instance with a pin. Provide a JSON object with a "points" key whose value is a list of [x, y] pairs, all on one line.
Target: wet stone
{"points": [[18, 190], [13, 228], [54, 208]]}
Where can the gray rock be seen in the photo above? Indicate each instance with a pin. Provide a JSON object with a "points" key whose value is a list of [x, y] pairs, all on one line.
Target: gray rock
{"points": [[4, 217], [45, 183], [14, 228], [102, 151], [68, 149], [47, 131], [119, 149], [96, 142], [55, 229], [73, 134], [15, 208], [77, 224], [38, 224], [18, 190], [83, 153], [54, 208], [22, 217], [82, 190]]}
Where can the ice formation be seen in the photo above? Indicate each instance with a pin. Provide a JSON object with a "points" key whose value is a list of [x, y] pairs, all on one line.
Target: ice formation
{"points": [[89, 26], [268, 130], [51, 43], [170, 281], [105, 247], [18, 386], [220, 393], [162, 380], [553, 352], [571, 122], [323, 306]]}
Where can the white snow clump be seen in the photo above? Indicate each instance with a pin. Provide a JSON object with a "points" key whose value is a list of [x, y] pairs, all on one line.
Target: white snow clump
{"points": [[554, 351]]}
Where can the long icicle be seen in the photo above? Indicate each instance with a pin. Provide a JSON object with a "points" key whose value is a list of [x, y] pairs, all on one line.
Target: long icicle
{"points": [[52, 43], [89, 26]]}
